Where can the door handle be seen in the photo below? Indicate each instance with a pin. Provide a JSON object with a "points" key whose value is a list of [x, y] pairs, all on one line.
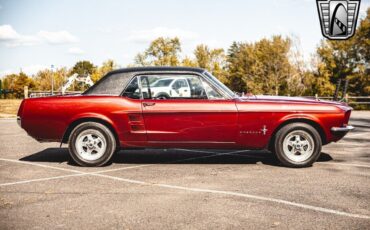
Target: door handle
{"points": [[148, 104]]}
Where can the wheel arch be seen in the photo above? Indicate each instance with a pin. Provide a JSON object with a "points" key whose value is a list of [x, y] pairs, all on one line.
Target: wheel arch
{"points": [[308, 121], [79, 121]]}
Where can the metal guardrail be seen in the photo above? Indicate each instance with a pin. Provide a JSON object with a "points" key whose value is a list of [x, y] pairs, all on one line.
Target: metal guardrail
{"points": [[351, 100]]}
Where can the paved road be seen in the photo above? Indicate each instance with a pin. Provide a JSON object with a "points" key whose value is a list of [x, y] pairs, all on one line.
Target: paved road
{"points": [[185, 189]]}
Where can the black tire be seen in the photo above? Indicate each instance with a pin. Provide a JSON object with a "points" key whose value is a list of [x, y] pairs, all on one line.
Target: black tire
{"points": [[106, 139], [286, 157], [163, 96]]}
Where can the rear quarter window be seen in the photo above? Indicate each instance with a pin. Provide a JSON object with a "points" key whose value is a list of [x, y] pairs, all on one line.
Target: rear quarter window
{"points": [[112, 84]]}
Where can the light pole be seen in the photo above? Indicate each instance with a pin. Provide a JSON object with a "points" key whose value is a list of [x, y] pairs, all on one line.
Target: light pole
{"points": [[52, 80]]}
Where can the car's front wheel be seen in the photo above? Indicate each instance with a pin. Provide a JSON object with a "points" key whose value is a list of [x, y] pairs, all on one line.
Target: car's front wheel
{"points": [[91, 144], [297, 145]]}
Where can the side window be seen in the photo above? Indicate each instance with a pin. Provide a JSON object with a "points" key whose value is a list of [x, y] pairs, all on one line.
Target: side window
{"points": [[176, 87], [179, 84], [132, 90], [112, 84], [211, 92], [145, 87]]}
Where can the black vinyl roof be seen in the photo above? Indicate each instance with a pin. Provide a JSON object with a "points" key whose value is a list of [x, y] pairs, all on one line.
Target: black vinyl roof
{"points": [[157, 68], [115, 81]]}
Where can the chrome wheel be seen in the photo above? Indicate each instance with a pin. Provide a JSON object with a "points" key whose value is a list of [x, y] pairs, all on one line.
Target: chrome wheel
{"points": [[298, 146], [91, 144]]}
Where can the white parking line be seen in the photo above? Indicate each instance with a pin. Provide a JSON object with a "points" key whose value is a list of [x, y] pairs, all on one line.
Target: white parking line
{"points": [[41, 179], [40, 165], [344, 164], [215, 154], [319, 163], [79, 173], [201, 190], [356, 134], [230, 193], [334, 145]]}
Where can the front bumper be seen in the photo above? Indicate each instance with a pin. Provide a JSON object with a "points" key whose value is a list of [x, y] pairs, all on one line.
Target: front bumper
{"points": [[339, 132], [19, 121], [342, 129]]}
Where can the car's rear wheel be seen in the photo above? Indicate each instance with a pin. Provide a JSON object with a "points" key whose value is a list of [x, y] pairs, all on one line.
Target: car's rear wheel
{"points": [[297, 145], [91, 144]]}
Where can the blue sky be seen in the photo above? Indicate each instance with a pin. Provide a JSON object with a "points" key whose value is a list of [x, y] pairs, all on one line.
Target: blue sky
{"points": [[36, 34]]}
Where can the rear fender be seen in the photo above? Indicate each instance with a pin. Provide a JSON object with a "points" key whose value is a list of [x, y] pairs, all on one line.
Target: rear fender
{"points": [[74, 121]]}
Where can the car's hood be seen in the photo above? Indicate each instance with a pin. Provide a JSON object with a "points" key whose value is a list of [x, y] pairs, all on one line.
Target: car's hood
{"points": [[285, 99]]}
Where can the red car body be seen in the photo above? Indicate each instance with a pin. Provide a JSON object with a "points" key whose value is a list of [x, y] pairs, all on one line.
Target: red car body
{"points": [[239, 122]]}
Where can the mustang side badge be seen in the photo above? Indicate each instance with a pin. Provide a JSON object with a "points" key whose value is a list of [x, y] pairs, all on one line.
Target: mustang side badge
{"points": [[338, 18], [264, 130]]}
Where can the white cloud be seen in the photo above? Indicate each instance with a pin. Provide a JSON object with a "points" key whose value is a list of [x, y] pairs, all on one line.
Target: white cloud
{"points": [[29, 70], [76, 51], [12, 38], [57, 37], [8, 33], [33, 69], [143, 36]]}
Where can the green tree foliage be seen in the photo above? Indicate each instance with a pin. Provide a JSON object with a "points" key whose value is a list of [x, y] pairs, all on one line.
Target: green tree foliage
{"points": [[44, 79], [161, 52], [83, 68], [214, 60], [188, 62], [263, 66], [102, 70], [17, 82]]}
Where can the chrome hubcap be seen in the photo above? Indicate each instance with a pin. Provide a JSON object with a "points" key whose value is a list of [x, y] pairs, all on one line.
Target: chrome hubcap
{"points": [[91, 144], [298, 146]]}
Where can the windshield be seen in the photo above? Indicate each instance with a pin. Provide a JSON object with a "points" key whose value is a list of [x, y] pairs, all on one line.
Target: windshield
{"points": [[220, 84], [162, 83]]}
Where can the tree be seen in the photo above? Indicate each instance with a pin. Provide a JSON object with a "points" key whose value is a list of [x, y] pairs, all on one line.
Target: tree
{"points": [[348, 60], [263, 66], [237, 78], [188, 62], [43, 79], [161, 52], [17, 82], [83, 68], [106, 67], [213, 60]]}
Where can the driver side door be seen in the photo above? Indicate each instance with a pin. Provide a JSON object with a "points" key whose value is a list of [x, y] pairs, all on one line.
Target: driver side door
{"points": [[201, 117]]}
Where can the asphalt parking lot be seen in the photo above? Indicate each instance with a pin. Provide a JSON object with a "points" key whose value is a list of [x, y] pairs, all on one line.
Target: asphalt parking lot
{"points": [[40, 188]]}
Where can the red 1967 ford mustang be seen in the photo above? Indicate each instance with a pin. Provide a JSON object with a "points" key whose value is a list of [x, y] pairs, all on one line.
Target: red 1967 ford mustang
{"points": [[173, 107]]}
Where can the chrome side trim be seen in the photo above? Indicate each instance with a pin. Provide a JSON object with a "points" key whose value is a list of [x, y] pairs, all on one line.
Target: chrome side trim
{"points": [[192, 142]]}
